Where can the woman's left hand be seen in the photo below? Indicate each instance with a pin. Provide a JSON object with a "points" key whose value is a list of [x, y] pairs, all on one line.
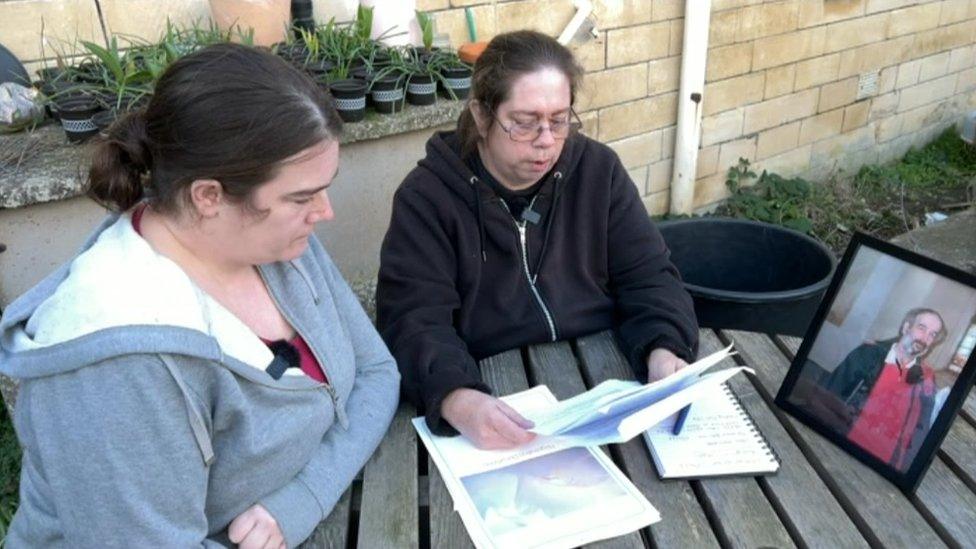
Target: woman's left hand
{"points": [[255, 528], [661, 363]]}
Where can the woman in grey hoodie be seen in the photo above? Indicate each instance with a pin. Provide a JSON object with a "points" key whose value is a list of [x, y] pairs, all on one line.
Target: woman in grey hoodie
{"points": [[199, 374]]}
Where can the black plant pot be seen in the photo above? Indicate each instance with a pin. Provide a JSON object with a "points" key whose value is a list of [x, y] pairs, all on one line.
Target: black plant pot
{"points": [[422, 54], [58, 90], [747, 275], [381, 59], [76, 115], [320, 69], [387, 94], [350, 98], [458, 80], [363, 73], [51, 74], [301, 17], [103, 120], [106, 100], [421, 90]]}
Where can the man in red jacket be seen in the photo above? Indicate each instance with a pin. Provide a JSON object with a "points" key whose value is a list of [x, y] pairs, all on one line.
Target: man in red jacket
{"points": [[889, 388]]}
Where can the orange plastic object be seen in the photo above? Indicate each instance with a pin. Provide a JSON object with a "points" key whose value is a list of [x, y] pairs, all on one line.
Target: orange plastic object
{"points": [[471, 51]]}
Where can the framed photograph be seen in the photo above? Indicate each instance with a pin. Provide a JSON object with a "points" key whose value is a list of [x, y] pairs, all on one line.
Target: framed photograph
{"points": [[888, 359]]}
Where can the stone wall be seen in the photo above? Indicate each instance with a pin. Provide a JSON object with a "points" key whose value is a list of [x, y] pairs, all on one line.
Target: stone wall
{"points": [[782, 80], [807, 87]]}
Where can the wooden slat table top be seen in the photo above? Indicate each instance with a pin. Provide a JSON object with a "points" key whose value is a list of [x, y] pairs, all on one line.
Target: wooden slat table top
{"points": [[821, 497]]}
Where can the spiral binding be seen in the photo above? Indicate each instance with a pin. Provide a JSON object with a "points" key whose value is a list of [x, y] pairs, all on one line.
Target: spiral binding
{"points": [[770, 451]]}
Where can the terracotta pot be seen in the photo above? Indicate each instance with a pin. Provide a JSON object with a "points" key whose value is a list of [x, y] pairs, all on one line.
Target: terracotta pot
{"points": [[471, 51], [269, 18]]}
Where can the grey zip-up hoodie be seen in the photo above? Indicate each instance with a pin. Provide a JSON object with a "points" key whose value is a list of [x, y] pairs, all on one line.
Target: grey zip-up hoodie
{"points": [[147, 418]]}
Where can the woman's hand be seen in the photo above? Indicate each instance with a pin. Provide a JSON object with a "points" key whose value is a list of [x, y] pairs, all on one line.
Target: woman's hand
{"points": [[255, 528], [661, 363], [485, 420]]}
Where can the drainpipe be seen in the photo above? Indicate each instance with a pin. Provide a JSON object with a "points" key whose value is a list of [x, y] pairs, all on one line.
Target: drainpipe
{"points": [[694, 53]]}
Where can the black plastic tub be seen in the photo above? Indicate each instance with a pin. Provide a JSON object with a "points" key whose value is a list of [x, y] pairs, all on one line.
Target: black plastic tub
{"points": [[747, 275]]}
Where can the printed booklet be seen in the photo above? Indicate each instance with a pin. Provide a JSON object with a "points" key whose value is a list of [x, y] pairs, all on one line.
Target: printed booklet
{"points": [[544, 494], [561, 490]]}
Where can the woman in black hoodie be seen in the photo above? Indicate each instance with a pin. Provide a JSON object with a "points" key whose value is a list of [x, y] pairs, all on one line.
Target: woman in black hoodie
{"points": [[515, 230]]}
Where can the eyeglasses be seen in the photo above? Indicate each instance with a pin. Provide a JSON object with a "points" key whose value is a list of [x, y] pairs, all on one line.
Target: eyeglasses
{"points": [[530, 131]]}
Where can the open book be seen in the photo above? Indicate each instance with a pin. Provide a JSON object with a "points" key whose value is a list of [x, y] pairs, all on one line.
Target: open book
{"points": [[617, 411], [560, 490], [544, 494]]}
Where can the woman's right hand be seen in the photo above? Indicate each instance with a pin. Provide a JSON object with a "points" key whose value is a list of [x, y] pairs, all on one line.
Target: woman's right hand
{"points": [[486, 421], [255, 528]]}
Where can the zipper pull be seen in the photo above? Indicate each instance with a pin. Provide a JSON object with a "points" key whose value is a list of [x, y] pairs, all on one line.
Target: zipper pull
{"points": [[340, 411]]}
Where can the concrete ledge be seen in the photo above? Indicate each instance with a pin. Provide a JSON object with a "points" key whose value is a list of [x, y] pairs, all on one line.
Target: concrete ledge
{"points": [[953, 241], [56, 170]]}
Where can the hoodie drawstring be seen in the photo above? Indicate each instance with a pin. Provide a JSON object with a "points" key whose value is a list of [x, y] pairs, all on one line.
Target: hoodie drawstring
{"points": [[481, 221], [558, 176], [308, 280], [197, 424]]}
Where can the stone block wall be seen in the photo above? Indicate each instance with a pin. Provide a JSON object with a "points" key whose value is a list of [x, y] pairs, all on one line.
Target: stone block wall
{"points": [[782, 80], [804, 87]]}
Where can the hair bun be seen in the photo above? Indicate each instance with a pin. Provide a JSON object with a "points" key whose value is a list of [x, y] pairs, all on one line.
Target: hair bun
{"points": [[119, 162], [128, 133]]}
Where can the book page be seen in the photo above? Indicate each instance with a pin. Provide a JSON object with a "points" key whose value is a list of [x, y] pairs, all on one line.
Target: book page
{"points": [[617, 398], [544, 494], [718, 438]]}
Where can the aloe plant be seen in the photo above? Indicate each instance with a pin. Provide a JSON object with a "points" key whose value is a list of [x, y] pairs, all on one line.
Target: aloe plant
{"points": [[364, 23], [426, 23]]}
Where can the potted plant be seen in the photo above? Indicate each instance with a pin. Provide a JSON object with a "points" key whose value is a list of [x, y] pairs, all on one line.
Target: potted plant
{"points": [[388, 87], [426, 23], [349, 95], [123, 81], [341, 44], [76, 113], [455, 77]]}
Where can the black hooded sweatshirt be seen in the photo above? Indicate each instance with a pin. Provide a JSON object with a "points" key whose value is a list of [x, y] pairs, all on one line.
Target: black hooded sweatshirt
{"points": [[461, 279]]}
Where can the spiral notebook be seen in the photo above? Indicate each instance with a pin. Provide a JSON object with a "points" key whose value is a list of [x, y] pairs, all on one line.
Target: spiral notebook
{"points": [[719, 438]]}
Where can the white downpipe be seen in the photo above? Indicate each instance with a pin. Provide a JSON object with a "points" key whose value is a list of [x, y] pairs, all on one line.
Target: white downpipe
{"points": [[694, 53], [583, 10]]}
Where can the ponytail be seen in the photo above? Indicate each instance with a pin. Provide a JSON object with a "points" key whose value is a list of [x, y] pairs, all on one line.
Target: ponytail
{"points": [[119, 163]]}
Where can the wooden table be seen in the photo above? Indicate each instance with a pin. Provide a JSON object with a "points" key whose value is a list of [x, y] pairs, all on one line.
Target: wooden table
{"points": [[820, 497]]}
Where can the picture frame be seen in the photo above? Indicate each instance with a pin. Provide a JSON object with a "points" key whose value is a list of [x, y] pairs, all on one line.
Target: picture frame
{"points": [[887, 360]]}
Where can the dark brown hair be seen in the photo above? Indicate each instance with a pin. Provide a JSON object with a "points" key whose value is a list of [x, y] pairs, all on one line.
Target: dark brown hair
{"points": [[227, 112], [507, 57]]}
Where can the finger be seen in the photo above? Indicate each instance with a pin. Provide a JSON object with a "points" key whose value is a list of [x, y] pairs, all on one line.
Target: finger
{"points": [[257, 538], [516, 417], [274, 542], [241, 526], [509, 430]]}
